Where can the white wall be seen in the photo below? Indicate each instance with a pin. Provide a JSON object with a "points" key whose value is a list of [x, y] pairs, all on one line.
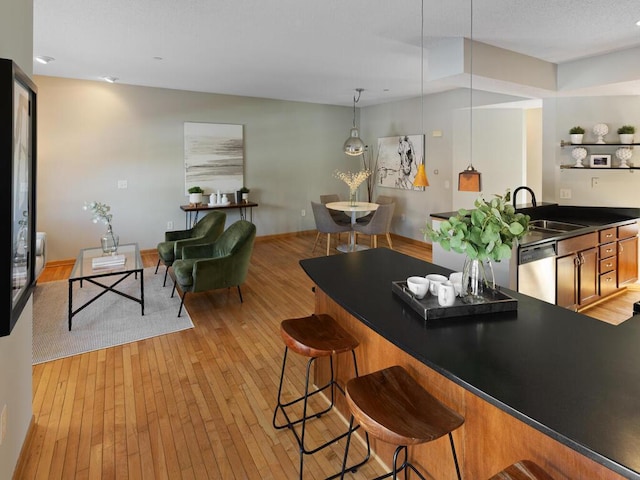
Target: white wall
{"points": [[92, 134], [446, 155], [16, 43], [616, 188]]}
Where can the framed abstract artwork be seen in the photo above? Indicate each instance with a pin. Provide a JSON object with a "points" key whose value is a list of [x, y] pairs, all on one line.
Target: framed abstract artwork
{"points": [[18, 147], [398, 160], [213, 157]]}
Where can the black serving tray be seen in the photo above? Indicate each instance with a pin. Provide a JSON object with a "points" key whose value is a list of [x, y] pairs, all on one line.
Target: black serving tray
{"points": [[429, 308]]}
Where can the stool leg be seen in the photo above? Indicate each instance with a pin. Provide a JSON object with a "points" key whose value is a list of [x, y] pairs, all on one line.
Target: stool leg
{"points": [[455, 457], [157, 265]]}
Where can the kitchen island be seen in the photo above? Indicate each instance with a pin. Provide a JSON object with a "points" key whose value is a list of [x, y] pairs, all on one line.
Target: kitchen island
{"points": [[540, 383]]}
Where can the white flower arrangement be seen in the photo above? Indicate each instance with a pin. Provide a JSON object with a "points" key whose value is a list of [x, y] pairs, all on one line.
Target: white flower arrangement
{"points": [[353, 180], [100, 213]]}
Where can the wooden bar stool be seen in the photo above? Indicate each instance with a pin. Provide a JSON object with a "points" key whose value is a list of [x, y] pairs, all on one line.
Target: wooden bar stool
{"points": [[391, 406], [314, 336], [523, 470]]}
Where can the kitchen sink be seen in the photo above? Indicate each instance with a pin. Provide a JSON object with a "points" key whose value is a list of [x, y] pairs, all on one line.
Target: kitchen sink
{"points": [[553, 226]]}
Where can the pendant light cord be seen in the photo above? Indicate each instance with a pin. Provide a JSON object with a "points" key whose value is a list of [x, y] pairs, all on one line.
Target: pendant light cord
{"points": [[471, 88], [356, 100]]}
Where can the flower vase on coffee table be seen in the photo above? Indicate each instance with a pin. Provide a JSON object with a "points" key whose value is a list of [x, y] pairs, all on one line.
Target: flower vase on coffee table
{"points": [[109, 242]]}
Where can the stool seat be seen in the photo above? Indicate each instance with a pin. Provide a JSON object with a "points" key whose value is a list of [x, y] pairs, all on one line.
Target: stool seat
{"points": [[392, 406], [316, 336], [523, 470]]}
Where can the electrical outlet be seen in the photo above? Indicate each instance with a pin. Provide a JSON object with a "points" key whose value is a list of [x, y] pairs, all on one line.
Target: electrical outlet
{"points": [[595, 181], [3, 424], [565, 193], [122, 184], [303, 212], [169, 225]]}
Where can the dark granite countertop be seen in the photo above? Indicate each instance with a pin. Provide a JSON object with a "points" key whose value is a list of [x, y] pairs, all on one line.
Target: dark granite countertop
{"points": [[593, 218], [572, 377]]}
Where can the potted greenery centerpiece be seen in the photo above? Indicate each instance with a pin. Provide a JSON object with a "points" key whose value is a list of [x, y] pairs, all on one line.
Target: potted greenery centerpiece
{"points": [[484, 235], [576, 134], [195, 195], [626, 133]]}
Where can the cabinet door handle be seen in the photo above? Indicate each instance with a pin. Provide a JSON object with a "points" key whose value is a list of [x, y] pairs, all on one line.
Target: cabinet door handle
{"points": [[621, 249], [609, 250], [581, 259], [608, 279], [609, 265], [609, 235]]}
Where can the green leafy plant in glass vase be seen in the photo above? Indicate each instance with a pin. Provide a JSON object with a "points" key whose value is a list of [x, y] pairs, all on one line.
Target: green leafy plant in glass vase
{"points": [[484, 235]]}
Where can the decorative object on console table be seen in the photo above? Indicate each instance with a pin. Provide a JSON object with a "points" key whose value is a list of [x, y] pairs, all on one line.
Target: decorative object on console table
{"points": [[626, 133], [18, 109], [485, 234], [109, 241], [195, 195], [244, 195], [600, 130], [579, 154], [576, 134]]}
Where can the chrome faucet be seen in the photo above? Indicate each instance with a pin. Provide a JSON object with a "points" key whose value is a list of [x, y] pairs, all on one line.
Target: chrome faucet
{"points": [[533, 195]]}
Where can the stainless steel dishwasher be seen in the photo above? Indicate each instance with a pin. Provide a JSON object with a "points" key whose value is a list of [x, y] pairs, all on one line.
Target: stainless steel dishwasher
{"points": [[537, 271]]}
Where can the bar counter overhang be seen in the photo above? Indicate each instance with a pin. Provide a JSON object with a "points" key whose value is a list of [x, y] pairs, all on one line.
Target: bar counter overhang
{"points": [[542, 383]]}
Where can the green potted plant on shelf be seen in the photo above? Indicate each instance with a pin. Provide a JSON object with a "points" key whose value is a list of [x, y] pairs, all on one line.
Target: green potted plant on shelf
{"points": [[576, 134], [195, 195], [626, 133], [484, 235]]}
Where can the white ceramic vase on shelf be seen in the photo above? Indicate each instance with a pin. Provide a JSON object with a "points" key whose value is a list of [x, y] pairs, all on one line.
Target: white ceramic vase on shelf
{"points": [[626, 138], [600, 130], [579, 154], [624, 154], [576, 138]]}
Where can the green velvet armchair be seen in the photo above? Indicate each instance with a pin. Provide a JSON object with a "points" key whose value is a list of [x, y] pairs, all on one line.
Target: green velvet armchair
{"points": [[223, 263], [207, 230]]}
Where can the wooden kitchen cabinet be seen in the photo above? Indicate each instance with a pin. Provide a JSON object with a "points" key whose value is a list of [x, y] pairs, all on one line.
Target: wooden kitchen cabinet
{"points": [[577, 271], [627, 253]]}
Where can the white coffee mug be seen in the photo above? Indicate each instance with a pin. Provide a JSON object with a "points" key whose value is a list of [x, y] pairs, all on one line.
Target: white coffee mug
{"points": [[434, 283], [419, 286], [446, 294], [456, 279]]}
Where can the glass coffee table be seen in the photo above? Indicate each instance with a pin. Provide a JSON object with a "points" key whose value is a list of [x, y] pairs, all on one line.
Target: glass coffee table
{"points": [[92, 265]]}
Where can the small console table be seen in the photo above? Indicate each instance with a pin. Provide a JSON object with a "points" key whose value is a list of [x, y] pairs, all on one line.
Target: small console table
{"points": [[192, 210]]}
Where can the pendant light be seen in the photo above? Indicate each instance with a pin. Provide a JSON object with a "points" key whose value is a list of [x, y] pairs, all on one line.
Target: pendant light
{"points": [[420, 179], [469, 180], [354, 146]]}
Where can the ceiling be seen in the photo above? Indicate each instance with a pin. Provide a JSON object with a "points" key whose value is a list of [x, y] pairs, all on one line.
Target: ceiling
{"points": [[315, 51]]}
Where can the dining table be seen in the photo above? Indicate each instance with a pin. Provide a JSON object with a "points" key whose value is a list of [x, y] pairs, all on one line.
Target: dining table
{"points": [[353, 208]]}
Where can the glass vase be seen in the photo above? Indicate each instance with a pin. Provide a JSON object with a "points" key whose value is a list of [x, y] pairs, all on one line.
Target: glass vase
{"points": [[109, 242], [353, 197], [477, 275]]}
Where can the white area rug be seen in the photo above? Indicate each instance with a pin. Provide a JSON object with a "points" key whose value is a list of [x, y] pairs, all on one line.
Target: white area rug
{"points": [[109, 321]]}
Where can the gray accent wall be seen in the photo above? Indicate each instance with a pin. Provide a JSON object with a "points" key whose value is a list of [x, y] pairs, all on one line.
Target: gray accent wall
{"points": [[93, 134]]}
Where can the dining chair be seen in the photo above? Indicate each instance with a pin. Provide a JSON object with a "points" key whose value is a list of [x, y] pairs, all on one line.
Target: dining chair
{"points": [[380, 200], [379, 224], [325, 224], [338, 216]]}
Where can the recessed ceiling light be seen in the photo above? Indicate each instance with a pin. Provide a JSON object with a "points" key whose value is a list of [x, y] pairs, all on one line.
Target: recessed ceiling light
{"points": [[110, 79], [638, 23], [44, 59]]}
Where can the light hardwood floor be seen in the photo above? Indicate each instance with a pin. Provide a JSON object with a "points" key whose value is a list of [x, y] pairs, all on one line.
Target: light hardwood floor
{"points": [[195, 404]]}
